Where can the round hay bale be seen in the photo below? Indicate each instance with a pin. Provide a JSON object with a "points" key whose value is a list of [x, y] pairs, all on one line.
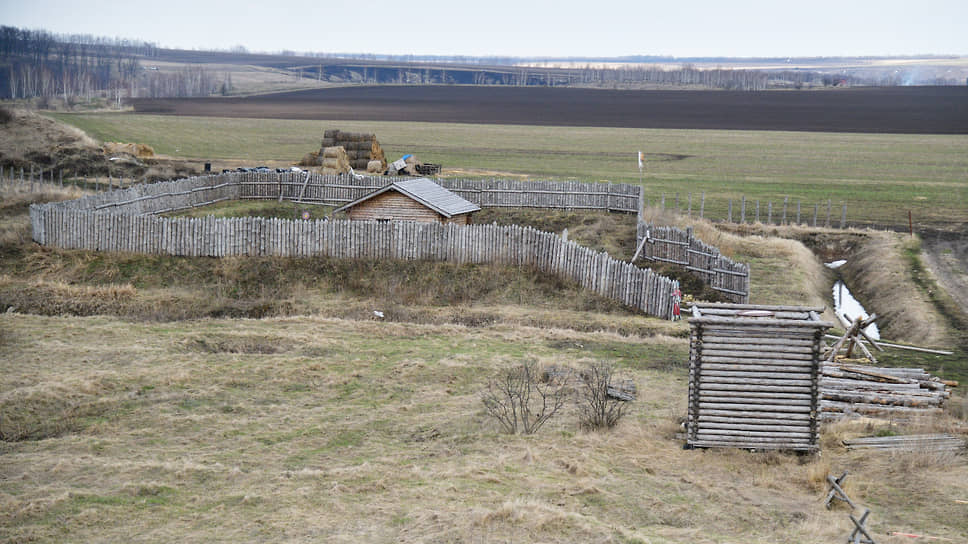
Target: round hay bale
{"points": [[359, 164], [334, 152], [311, 159], [327, 142], [332, 134], [375, 167]]}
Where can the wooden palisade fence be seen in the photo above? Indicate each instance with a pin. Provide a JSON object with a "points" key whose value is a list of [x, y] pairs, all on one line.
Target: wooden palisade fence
{"points": [[721, 273], [127, 220], [679, 247]]}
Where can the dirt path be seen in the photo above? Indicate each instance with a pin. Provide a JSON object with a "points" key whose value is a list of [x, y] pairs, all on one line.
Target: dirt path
{"points": [[946, 255]]}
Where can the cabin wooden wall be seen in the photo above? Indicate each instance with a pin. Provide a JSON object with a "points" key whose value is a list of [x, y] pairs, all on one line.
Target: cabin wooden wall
{"points": [[398, 207]]}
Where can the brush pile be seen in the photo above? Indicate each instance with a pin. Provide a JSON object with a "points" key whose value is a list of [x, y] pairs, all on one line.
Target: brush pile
{"points": [[361, 148], [898, 393]]}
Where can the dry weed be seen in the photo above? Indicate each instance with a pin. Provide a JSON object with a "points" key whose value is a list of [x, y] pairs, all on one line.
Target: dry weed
{"points": [[880, 275]]}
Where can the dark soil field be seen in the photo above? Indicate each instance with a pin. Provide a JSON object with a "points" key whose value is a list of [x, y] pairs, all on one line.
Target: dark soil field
{"points": [[906, 110]]}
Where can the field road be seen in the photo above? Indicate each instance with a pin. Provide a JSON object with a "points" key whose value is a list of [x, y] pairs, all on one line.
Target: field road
{"points": [[907, 110]]}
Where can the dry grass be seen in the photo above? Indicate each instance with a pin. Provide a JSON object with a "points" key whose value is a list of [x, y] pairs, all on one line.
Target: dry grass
{"points": [[782, 270], [880, 273], [336, 430]]}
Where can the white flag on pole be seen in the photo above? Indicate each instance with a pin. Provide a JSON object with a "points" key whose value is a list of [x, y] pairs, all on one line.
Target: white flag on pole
{"points": [[640, 160]]}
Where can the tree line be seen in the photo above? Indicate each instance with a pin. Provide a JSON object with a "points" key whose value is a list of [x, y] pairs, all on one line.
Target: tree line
{"points": [[40, 64]]}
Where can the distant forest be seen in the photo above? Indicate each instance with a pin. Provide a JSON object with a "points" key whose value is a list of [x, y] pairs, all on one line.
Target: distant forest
{"points": [[36, 64], [39, 64]]}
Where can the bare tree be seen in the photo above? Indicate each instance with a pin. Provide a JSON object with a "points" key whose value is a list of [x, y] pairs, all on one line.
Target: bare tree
{"points": [[520, 401], [598, 407]]}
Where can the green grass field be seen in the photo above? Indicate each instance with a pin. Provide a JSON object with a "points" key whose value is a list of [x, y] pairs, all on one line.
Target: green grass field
{"points": [[879, 176]]}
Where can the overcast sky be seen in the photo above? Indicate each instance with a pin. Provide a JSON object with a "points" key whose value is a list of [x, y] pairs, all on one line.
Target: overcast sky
{"points": [[682, 28]]}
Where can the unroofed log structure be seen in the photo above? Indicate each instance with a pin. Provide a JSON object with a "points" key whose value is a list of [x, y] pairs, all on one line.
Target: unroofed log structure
{"points": [[360, 147], [754, 376]]}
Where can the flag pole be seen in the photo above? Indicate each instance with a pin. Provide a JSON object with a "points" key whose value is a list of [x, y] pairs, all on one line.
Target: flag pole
{"points": [[640, 168]]}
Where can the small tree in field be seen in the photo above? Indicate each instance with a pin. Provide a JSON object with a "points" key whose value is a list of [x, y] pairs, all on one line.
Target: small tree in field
{"points": [[596, 408], [520, 401]]}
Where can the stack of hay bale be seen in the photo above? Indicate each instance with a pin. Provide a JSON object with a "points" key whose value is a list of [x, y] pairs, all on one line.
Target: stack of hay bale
{"points": [[362, 150], [334, 160]]}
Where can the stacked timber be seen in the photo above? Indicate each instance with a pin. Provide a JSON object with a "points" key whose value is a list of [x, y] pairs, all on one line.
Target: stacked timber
{"points": [[754, 376], [914, 442], [899, 393], [361, 148]]}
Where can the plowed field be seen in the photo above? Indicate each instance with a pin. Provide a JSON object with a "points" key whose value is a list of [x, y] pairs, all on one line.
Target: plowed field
{"points": [[908, 110]]}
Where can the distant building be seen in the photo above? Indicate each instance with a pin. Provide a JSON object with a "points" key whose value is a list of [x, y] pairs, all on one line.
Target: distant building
{"points": [[419, 200]]}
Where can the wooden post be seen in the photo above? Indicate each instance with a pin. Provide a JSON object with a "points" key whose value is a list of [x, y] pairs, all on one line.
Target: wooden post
{"points": [[663, 201], [702, 205], [910, 224], [757, 211], [783, 222], [730, 219], [798, 211], [677, 202], [690, 204], [827, 223], [769, 212], [816, 210], [742, 210], [843, 216]]}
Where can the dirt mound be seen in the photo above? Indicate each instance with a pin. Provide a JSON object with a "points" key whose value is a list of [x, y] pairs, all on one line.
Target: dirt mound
{"points": [[30, 140]]}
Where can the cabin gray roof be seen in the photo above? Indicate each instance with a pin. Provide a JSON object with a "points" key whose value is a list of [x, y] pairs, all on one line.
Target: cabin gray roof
{"points": [[425, 192]]}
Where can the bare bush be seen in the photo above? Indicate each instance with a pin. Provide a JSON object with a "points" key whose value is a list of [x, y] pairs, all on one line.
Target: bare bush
{"points": [[520, 401], [597, 408]]}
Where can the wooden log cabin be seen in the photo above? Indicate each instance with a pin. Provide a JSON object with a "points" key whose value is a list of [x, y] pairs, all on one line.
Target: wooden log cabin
{"points": [[419, 200], [754, 375]]}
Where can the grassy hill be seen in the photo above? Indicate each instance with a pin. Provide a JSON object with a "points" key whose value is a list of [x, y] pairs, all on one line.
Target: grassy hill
{"points": [[149, 398]]}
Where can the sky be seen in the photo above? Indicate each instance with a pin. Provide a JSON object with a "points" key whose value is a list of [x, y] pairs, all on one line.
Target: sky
{"points": [[520, 28]]}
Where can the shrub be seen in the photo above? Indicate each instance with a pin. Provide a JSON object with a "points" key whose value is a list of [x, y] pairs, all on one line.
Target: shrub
{"points": [[520, 401], [597, 409]]}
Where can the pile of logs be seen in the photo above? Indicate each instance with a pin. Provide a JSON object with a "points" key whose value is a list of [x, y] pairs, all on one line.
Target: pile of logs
{"points": [[898, 393], [914, 442]]}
